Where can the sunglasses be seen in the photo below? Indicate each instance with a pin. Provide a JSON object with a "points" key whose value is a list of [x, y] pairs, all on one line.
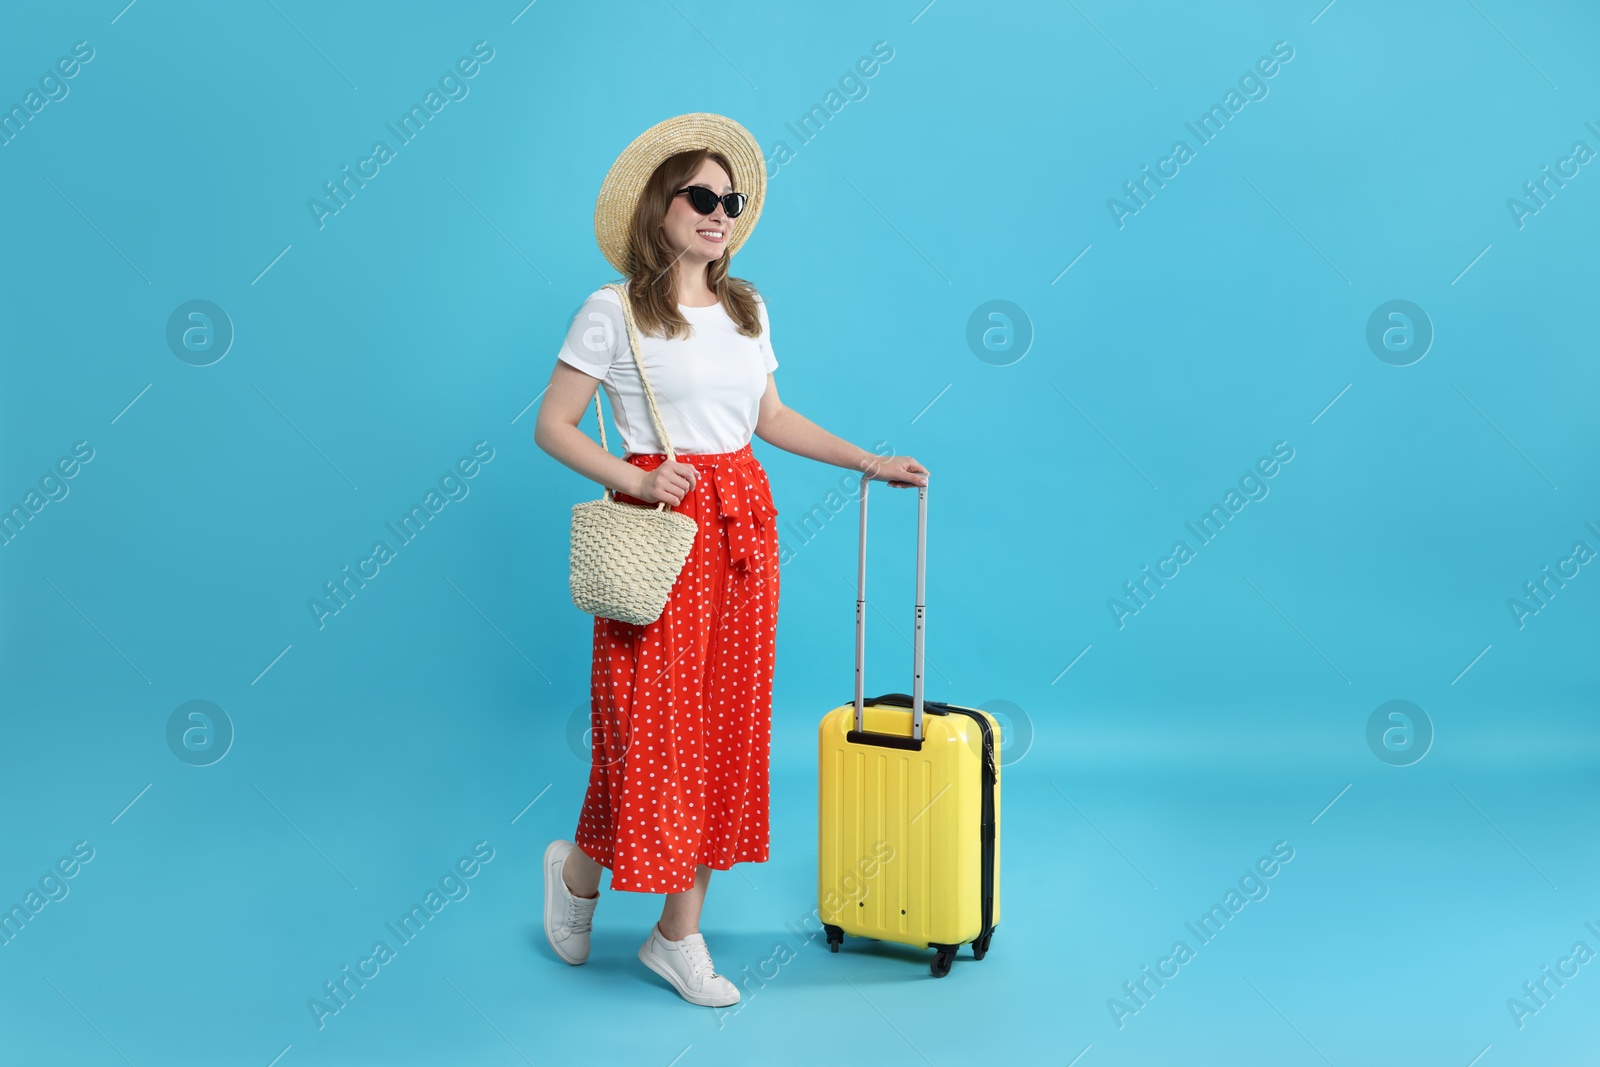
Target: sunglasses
{"points": [[705, 201]]}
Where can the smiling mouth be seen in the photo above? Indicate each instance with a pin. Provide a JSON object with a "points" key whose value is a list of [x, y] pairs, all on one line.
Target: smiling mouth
{"points": [[712, 235]]}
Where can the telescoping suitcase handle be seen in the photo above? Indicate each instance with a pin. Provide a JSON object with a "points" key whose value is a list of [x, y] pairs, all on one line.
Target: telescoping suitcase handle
{"points": [[861, 612]]}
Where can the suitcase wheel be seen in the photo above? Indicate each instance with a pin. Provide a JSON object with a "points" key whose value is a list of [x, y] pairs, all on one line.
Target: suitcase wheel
{"points": [[835, 936], [941, 962], [980, 947]]}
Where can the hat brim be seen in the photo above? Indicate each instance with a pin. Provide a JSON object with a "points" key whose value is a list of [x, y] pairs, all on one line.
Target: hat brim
{"points": [[625, 181]]}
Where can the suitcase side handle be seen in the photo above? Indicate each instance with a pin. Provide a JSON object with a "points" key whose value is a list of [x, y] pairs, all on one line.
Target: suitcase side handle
{"points": [[921, 610]]}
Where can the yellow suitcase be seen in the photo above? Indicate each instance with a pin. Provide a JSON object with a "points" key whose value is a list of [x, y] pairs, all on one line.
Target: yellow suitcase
{"points": [[908, 806]]}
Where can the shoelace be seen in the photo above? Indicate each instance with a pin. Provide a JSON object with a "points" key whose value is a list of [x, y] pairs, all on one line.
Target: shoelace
{"points": [[580, 913], [699, 957]]}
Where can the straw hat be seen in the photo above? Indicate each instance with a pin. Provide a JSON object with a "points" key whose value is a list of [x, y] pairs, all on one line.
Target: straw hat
{"points": [[613, 209]]}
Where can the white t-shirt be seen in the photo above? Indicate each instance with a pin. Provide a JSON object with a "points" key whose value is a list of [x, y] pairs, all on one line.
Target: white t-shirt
{"points": [[707, 386]]}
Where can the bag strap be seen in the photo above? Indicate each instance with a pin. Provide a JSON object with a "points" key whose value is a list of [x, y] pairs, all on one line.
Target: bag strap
{"points": [[634, 345]]}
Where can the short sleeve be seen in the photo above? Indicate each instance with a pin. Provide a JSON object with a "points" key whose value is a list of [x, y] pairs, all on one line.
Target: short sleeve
{"points": [[596, 336], [769, 359]]}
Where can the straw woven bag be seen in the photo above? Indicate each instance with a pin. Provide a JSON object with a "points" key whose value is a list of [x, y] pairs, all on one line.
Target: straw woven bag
{"points": [[626, 557]]}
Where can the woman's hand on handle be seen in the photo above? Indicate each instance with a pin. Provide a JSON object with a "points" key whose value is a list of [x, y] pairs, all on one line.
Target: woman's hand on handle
{"points": [[901, 472], [670, 482]]}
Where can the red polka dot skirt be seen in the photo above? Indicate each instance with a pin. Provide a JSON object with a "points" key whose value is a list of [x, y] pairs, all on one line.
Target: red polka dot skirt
{"points": [[681, 708]]}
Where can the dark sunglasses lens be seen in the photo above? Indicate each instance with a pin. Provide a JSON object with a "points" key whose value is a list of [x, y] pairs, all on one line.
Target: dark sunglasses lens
{"points": [[705, 201]]}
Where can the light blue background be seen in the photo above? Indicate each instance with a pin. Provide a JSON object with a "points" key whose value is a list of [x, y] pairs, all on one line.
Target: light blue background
{"points": [[1227, 315]]}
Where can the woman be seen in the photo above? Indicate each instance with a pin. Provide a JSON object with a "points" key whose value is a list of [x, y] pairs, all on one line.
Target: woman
{"points": [[681, 708]]}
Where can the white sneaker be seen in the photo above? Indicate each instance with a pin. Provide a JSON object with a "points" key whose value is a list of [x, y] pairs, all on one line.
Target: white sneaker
{"points": [[687, 965], [566, 918]]}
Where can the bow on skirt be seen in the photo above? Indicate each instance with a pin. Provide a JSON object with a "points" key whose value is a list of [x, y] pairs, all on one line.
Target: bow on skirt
{"points": [[746, 505]]}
